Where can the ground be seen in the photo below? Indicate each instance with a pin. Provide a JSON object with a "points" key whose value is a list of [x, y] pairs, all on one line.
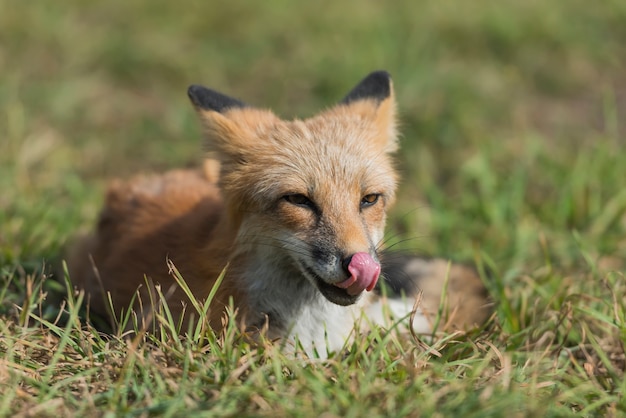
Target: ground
{"points": [[512, 116]]}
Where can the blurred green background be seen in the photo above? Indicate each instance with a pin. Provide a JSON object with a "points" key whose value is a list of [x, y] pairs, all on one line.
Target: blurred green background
{"points": [[512, 111]]}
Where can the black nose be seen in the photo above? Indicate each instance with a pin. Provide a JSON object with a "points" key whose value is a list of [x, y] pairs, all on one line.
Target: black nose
{"points": [[345, 263]]}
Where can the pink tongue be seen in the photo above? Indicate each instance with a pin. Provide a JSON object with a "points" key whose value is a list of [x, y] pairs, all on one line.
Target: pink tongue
{"points": [[364, 271]]}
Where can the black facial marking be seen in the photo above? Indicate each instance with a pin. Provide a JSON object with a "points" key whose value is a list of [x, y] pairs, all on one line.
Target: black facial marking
{"points": [[318, 254], [375, 86], [208, 99]]}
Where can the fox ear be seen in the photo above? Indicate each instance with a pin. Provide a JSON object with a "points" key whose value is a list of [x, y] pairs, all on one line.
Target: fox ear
{"points": [[373, 99], [376, 86], [223, 134], [231, 127], [207, 99]]}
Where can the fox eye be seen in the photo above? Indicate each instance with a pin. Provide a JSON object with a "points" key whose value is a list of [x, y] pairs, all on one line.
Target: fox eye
{"points": [[299, 199], [369, 200]]}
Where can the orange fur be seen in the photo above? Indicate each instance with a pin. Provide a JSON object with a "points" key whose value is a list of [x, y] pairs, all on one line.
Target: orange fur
{"points": [[145, 222]]}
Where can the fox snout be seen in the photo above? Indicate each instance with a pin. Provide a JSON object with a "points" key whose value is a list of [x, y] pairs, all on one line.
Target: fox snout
{"points": [[356, 274]]}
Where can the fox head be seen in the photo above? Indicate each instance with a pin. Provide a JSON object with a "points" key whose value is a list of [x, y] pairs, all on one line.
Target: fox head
{"points": [[310, 194]]}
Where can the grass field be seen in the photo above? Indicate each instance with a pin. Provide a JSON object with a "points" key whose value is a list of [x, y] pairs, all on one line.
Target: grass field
{"points": [[512, 157]]}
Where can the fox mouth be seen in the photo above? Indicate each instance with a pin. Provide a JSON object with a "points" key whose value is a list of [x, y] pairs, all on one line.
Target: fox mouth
{"points": [[363, 273], [331, 292]]}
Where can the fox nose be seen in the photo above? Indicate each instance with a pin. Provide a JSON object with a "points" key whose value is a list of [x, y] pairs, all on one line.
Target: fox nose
{"points": [[345, 263]]}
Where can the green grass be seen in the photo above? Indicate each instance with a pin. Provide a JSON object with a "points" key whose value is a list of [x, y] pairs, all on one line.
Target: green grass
{"points": [[512, 157]]}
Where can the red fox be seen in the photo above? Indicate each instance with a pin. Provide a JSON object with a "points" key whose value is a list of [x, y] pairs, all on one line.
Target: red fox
{"points": [[297, 212]]}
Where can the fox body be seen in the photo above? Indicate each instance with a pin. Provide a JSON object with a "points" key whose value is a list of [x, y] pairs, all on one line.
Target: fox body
{"points": [[297, 212]]}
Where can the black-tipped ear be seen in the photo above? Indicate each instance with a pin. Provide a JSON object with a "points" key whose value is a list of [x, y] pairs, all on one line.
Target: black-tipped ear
{"points": [[208, 99], [375, 86]]}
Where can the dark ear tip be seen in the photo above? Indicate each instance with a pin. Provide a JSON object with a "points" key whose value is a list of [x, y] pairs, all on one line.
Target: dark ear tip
{"points": [[376, 85], [194, 92], [380, 76], [208, 99]]}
